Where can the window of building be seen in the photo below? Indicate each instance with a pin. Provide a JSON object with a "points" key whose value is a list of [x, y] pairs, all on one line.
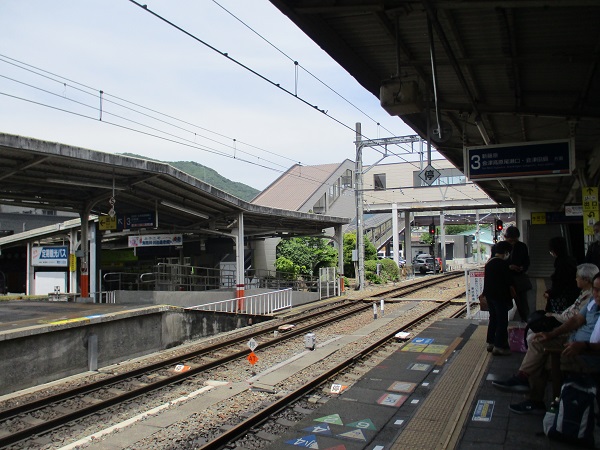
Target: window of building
{"points": [[347, 179], [379, 181], [321, 206]]}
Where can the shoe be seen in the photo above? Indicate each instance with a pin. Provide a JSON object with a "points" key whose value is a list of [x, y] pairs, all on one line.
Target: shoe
{"points": [[498, 351], [490, 347], [528, 407], [513, 384]]}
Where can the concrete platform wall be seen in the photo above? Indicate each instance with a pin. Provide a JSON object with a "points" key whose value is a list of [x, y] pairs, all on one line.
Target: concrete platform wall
{"points": [[194, 298], [37, 355]]}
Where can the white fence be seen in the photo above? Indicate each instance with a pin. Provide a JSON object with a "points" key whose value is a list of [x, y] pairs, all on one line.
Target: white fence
{"points": [[266, 303]]}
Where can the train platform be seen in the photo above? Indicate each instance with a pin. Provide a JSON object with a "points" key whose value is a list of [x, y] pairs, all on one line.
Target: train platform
{"points": [[433, 393], [24, 314]]}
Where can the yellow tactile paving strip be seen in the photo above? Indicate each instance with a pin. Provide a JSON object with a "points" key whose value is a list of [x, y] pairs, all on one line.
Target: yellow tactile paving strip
{"points": [[438, 421]]}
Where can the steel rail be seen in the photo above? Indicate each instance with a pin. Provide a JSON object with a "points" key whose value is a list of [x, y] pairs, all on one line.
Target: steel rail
{"points": [[242, 428], [150, 387], [61, 420]]}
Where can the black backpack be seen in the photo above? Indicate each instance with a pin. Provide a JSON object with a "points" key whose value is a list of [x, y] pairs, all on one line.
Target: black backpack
{"points": [[574, 418]]}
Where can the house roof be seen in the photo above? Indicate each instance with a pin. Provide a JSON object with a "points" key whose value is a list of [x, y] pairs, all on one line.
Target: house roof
{"points": [[296, 186]]}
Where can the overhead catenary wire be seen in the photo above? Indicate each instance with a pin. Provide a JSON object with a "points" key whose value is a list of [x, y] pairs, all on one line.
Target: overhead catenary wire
{"points": [[235, 148], [298, 65], [93, 92], [254, 72]]}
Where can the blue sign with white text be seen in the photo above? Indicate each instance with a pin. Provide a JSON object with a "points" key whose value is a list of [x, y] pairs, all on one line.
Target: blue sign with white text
{"points": [[529, 159]]}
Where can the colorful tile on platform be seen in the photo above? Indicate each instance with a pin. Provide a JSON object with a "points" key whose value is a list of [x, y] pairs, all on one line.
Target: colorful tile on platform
{"points": [[436, 349], [304, 441], [402, 386], [420, 367], [392, 400], [422, 340], [414, 348]]}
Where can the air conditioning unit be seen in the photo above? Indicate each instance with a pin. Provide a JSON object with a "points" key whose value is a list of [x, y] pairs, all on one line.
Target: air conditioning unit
{"points": [[399, 98]]}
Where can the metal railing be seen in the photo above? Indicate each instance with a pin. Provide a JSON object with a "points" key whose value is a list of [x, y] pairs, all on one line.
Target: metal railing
{"points": [[176, 277], [266, 303]]}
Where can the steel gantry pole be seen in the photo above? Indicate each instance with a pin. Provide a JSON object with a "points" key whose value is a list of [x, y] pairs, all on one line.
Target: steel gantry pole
{"points": [[360, 241]]}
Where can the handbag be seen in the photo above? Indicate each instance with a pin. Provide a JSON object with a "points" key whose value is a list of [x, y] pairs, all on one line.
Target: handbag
{"points": [[483, 303], [517, 339]]}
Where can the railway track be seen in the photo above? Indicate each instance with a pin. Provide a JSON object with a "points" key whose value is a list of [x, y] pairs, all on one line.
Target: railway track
{"points": [[271, 412], [30, 420]]}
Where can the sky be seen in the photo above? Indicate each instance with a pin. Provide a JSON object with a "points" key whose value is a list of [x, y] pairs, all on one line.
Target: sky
{"points": [[109, 76]]}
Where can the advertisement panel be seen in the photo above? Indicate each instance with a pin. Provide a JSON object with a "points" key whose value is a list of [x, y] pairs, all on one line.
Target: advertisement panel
{"points": [[55, 256]]}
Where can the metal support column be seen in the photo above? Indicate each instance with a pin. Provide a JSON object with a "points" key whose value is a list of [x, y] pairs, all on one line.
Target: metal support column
{"points": [[339, 239], [442, 241], [239, 256], [407, 236], [395, 232], [360, 242], [84, 278]]}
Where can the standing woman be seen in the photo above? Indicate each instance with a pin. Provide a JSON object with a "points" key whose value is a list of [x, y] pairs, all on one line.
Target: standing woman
{"points": [[499, 292], [563, 291], [518, 263]]}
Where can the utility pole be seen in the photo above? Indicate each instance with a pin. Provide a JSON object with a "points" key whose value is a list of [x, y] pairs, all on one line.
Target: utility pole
{"points": [[360, 240], [358, 186]]}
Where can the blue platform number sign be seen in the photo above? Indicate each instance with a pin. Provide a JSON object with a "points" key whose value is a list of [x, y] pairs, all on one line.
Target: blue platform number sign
{"points": [[519, 160], [55, 256]]}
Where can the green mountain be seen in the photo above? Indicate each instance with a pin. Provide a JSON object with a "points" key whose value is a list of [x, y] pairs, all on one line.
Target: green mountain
{"points": [[209, 176]]}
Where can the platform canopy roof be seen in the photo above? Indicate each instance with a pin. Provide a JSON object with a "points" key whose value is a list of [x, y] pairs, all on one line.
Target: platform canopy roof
{"points": [[504, 71], [54, 176]]}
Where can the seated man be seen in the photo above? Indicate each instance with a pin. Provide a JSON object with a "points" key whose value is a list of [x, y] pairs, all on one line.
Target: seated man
{"points": [[533, 368]]}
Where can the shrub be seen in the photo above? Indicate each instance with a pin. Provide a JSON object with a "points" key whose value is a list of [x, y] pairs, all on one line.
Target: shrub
{"points": [[387, 272]]}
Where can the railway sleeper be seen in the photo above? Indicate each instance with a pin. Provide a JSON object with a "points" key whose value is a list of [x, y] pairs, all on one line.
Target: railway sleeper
{"points": [[30, 420]]}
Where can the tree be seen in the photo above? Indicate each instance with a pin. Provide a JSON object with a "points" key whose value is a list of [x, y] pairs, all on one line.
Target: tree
{"points": [[306, 254], [349, 245]]}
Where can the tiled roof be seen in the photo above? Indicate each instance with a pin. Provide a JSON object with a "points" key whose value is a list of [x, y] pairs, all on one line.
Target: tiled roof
{"points": [[292, 189]]}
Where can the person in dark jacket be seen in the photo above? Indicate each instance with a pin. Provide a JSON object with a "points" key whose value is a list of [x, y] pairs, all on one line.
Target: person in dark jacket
{"points": [[563, 291], [592, 255], [518, 263], [499, 292]]}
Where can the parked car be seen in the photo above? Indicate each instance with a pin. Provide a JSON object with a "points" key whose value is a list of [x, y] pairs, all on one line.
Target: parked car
{"points": [[424, 263]]}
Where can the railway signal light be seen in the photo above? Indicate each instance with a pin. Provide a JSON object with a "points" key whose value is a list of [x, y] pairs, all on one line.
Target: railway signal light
{"points": [[499, 226], [432, 229]]}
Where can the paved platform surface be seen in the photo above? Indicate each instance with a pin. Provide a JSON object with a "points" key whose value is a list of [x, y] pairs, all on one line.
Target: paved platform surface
{"points": [[411, 400], [434, 393], [18, 314]]}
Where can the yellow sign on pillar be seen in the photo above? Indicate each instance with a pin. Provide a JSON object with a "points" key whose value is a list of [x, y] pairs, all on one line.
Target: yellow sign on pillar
{"points": [[538, 218], [590, 209], [72, 262]]}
